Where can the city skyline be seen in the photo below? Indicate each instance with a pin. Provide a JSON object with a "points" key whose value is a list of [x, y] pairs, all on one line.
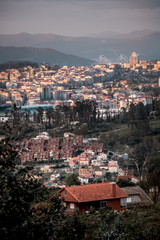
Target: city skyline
{"points": [[78, 17]]}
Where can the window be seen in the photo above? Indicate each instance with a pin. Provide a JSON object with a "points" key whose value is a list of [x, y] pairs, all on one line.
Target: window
{"points": [[103, 204], [65, 193], [128, 199], [123, 202], [71, 205], [64, 204]]}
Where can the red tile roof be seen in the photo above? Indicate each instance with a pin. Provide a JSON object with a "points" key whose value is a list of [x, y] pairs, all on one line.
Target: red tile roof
{"points": [[128, 177], [92, 192]]}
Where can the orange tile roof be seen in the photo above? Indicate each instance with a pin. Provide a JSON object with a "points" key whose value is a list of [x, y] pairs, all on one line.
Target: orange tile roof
{"points": [[127, 177], [113, 165], [92, 192], [86, 175]]}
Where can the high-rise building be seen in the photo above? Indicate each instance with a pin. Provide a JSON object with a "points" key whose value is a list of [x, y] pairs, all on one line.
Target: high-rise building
{"points": [[45, 93], [134, 59]]}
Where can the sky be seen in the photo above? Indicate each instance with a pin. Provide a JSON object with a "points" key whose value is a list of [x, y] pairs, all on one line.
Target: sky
{"points": [[78, 17]]}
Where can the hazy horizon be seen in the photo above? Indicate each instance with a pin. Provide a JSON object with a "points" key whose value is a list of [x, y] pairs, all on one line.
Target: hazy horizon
{"points": [[78, 17]]}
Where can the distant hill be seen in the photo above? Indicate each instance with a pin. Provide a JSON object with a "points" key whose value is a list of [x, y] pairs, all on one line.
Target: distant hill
{"points": [[116, 35], [40, 55], [105, 35], [136, 34], [145, 43]]}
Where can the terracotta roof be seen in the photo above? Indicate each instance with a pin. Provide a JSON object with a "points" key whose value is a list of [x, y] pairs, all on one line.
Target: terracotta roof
{"points": [[86, 175], [128, 177], [113, 165], [93, 192]]}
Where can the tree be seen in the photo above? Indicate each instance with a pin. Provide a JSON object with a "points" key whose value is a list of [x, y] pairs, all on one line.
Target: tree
{"points": [[125, 183], [140, 113], [126, 225], [66, 118], [58, 116], [131, 113], [140, 155], [143, 153], [72, 179], [153, 177], [118, 230], [20, 192], [49, 115], [73, 228], [15, 113], [40, 114]]}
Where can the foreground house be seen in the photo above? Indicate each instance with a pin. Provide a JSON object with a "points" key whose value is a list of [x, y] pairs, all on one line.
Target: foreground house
{"points": [[94, 195]]}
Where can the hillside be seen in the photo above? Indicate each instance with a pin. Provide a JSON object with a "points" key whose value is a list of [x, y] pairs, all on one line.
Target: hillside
{"points": [[40, 55], [145, 43]]}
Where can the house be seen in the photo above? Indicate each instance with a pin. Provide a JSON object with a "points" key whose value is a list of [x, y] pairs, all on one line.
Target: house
{"points": [[113, 166], [95, 162], [99, 172], [73, 162], [136, 196], [133, 179], [83, 159], [102, 156], [85, 178], [83, 171], [93, 195], [85, 174]]}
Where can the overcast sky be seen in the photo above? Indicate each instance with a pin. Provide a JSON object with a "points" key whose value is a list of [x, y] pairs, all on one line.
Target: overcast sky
{"points": [[78, 17]]}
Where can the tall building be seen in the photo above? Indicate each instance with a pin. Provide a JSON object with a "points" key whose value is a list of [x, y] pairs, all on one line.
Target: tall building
{"points": [[31, 73], [134, 59], [45, 93]]}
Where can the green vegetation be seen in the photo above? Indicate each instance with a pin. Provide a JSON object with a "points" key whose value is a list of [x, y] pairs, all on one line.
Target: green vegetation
{"points": [[27, 213], [20, 192], [17, 65], [72, 179], [140, 223]]}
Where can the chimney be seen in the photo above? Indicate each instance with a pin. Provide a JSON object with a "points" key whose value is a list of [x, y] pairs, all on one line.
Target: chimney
{"points": [[113, 189]]}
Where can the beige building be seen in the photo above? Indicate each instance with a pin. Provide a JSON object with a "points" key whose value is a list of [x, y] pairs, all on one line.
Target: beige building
{"points": [[134, 59]]}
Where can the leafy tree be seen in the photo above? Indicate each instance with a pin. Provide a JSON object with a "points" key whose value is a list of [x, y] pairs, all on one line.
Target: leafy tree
{"points": [[20, 217], [125, 183], [110, 177], [49, 115], [15, 113], [66, 111], [73, 228], [131, 113], [127, 226], [58, 116], [40, 114], [140, 113], [118, 230], [72, 179]]}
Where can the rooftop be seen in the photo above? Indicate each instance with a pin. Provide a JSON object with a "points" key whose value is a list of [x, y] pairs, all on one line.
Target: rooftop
{"points": [[93, 192]]}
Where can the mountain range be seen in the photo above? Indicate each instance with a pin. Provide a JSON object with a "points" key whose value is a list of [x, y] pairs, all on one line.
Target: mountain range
{"points": [[108, 43], [112, 35]]}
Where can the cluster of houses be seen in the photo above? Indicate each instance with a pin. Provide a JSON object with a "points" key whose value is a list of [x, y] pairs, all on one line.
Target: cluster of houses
{"points": [[44, 148], [91, 164], [81, 156]]}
